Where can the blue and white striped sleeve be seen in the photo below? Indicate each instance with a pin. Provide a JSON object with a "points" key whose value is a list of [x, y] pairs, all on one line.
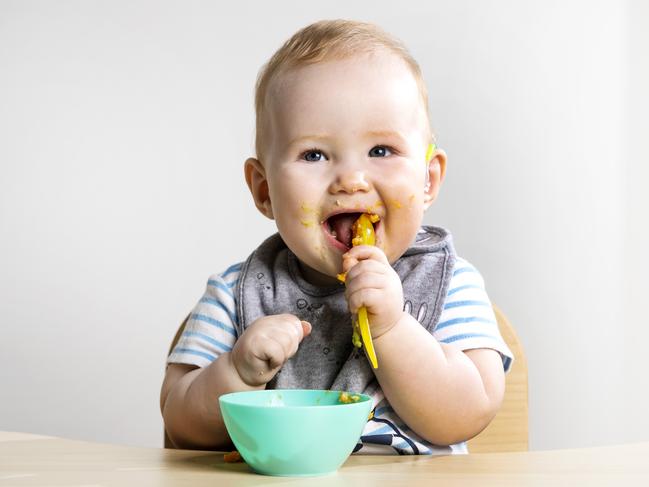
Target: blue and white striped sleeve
{"points": [[210, 329], [467, 320]]}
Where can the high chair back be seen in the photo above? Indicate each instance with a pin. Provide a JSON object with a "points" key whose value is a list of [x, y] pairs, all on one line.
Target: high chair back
{"points": [[179, 332], [508, 430]]}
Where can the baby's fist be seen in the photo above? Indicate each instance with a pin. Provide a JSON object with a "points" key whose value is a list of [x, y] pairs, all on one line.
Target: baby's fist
{"points": [[266, 345], [373, 283]]}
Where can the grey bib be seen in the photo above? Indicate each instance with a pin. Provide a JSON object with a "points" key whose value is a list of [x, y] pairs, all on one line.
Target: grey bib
{"points": [[271, 283]]}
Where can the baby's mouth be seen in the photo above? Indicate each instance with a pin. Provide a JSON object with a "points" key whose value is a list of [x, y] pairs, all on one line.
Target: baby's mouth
{"points": [[339, 226]]}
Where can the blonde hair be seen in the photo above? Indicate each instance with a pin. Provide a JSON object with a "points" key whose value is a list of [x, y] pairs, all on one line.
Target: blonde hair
{"points": [[323, 41]]}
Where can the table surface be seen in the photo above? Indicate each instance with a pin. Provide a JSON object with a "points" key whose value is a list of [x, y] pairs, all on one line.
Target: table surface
{"points": [[31, 460]]}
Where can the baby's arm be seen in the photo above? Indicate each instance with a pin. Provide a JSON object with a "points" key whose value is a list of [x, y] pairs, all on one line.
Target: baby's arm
{"points": [[443, 394], [189, 396]]}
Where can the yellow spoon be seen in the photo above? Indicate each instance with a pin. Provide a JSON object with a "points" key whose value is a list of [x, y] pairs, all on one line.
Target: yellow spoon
{"points": [[364, 235]]}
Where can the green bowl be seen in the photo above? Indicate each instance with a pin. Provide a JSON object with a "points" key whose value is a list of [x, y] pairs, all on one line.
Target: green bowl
{"points": [[294, 432]]}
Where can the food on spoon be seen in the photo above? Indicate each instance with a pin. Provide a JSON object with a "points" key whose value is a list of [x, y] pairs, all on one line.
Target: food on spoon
{"points": [[363, 229]]}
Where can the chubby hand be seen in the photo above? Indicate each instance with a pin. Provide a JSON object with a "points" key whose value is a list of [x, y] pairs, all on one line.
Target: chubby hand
{"points": [[266, 345], [372, 282]]}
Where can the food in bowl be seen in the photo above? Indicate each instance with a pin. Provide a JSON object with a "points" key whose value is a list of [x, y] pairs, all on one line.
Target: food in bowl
{"points": [[347, 398]]}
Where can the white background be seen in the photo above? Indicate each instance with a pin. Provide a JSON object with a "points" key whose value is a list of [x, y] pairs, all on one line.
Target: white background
{"points": [[123, 129]]}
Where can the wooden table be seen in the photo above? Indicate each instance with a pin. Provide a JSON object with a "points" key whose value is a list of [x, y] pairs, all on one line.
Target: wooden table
{"points": [[31, 460]]}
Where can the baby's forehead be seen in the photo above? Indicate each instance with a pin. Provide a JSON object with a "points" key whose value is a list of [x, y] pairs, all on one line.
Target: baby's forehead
{"points": [[337, 69], [371, 86]]}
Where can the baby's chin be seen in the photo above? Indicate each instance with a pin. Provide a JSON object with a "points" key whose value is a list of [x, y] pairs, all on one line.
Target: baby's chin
{"points": [[319, 275]]}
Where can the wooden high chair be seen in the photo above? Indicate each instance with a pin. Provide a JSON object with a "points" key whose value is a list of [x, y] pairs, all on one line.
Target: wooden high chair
{"points": [[508, 430]]}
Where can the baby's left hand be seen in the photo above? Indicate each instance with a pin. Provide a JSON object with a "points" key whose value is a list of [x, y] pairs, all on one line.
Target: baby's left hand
{"points": [[372, 282]]}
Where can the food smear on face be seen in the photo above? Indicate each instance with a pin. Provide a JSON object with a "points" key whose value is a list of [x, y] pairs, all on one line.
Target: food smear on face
{"points": [[395, 204], [321, 250], [429, 152], [311, 218], [347, 398], [372, 209], [411, 200], [306, 208]]}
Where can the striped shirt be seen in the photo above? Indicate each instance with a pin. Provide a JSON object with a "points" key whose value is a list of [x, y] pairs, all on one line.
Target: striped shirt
{"points": [[467, 321]]}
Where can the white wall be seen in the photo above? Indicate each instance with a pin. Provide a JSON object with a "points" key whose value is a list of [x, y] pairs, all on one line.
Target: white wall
{"points": [[123, 127], [636, 241]]}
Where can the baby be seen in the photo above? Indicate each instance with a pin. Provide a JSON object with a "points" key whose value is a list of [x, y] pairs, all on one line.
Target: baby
{"points": [[343, 129]]}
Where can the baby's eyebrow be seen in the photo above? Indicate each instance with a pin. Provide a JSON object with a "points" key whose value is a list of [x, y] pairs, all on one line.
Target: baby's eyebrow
{"points": [[301, 138], [385, 133], [370, 134]]}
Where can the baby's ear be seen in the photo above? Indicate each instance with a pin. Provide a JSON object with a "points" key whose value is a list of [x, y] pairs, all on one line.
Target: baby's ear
{"points": [[258, 184], [434, 176]]}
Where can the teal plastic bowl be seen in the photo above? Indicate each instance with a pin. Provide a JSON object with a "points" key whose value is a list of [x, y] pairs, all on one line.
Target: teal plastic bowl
{"points": [[294, 432]]}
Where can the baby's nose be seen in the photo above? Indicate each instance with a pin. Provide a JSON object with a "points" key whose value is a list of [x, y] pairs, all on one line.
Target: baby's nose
{"points": [[350, 182]]}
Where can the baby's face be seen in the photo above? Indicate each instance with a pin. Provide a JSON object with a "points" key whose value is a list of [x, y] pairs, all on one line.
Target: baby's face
{"points": [[346, 137]]}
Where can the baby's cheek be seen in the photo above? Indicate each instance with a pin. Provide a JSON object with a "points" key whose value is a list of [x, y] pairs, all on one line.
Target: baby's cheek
{"points": [[403, 229]]}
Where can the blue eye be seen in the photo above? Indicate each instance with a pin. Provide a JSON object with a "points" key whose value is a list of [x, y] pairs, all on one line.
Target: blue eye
{"points": [[380, 151], [313, 156]]}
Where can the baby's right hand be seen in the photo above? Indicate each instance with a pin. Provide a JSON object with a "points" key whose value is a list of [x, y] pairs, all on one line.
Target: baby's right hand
{"points": [[266, 345]]}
